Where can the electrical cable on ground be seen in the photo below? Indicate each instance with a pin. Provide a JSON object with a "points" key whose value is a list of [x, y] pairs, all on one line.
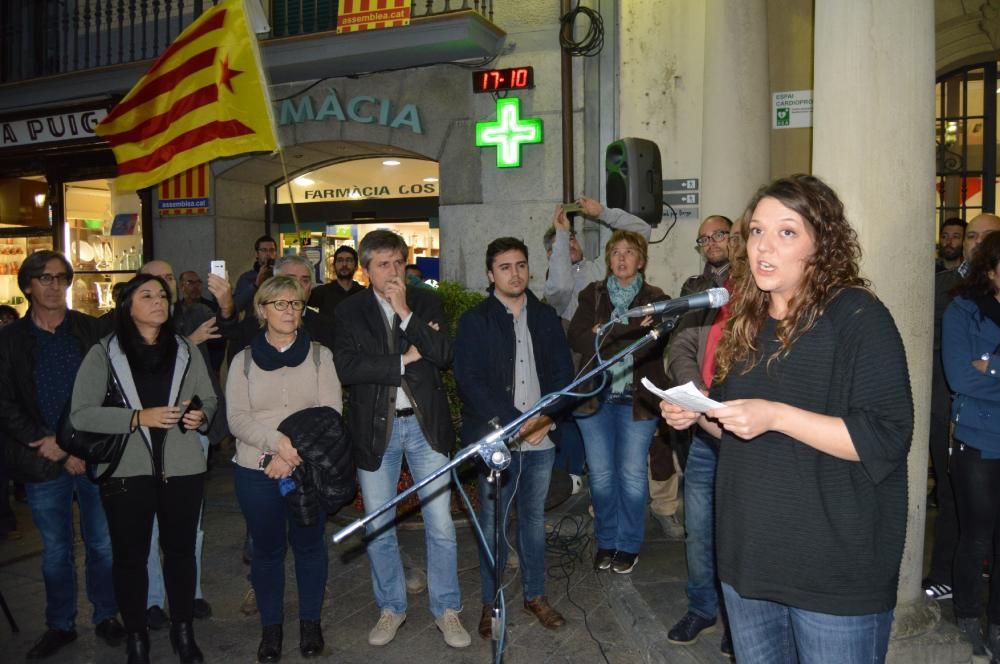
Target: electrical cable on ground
{"points": [[568, 550]]}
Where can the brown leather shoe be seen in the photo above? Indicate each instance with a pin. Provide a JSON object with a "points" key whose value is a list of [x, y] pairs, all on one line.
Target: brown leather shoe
{"points": [[541, 609], [486, 622]]}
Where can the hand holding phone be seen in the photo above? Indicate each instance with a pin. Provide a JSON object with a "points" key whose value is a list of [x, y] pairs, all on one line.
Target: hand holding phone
{"points": [[218, 268], [194, 404]]}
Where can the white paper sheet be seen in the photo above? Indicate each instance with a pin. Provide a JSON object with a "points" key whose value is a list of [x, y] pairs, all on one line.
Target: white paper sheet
{"points": [[687, 396]]}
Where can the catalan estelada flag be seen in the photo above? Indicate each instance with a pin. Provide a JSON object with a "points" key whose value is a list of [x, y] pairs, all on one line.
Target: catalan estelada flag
{"points": [[204, 98], [357, 15]]}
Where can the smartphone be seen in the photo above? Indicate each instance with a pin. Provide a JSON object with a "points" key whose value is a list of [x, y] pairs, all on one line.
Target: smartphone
{"points": [[218, 268], [194, 404], [571, 207]]}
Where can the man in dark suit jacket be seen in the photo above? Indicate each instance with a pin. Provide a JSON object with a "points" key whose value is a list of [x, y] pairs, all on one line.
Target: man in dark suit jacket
{"points": [[390, 346]]}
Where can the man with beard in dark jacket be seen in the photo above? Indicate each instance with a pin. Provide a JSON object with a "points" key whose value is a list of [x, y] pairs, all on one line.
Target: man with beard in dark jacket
{"points": [[390, 347]]}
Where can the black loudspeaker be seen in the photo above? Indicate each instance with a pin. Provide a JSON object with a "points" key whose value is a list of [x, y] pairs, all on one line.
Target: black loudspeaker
{"points": [[635, 179]]}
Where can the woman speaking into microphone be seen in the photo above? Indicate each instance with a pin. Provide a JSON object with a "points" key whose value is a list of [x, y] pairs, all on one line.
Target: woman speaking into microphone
{"points": [[815, 427], [617, 434]]}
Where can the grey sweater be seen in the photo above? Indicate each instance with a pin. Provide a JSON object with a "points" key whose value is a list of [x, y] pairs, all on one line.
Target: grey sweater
{"points": [[182, 452]]}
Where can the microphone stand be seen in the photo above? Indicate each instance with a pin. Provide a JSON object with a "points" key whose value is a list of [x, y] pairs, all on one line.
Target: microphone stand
{"points": [[494, 451]]}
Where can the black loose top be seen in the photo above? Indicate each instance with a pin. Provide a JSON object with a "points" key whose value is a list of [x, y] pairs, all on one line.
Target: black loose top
{"points": [[796, 525]]}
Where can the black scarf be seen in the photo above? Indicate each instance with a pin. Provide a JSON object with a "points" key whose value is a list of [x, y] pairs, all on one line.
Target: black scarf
{"points": [[269, 358]]}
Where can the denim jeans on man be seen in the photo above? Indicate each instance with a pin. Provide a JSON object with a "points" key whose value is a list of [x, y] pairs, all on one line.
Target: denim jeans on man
{"points": [[771, 633], [377, 488], [699, 521], [617, 454], [529, 474], [154, 569], [52, 511], [273, 528]]}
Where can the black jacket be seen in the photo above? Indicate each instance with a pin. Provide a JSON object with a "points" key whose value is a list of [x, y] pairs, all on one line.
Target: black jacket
{"points": [[21, 421], [371, 371], [484, 363], [325, 480]]}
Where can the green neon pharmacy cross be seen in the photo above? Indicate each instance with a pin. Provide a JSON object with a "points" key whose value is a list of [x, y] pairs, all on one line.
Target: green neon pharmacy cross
{"points": [[509, 132]]}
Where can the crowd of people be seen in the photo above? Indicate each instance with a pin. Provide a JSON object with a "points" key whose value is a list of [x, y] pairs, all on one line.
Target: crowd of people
{"points": [[794, 470]]}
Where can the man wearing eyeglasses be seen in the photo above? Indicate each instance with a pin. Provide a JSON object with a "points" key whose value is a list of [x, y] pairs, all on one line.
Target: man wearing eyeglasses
{"points": [[39, 357], [690, 356], [327, 296]]}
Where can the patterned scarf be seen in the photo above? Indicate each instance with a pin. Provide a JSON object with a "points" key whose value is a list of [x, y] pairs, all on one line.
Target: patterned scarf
{"points": [[621, 297]]}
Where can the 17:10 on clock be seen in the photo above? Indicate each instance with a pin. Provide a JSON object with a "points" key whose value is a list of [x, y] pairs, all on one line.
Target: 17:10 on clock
{"points": [[513, 78]]}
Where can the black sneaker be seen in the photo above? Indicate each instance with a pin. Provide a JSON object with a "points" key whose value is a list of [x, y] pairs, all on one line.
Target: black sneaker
{"points": [[603, 559], [156, 618], [624, 562], [111, 632], [689, 628], [727, 646], [202, 609], [50, 642]]}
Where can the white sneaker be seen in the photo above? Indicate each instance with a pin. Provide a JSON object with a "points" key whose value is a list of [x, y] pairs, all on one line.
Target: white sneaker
{"points": [[672, 527], [386, 627], [451, 627]]}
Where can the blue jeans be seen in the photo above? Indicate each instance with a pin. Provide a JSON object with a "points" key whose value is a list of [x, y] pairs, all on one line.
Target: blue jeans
{"points": [[272, 529], [771, 633], [154, 570], [699, 521], [617, 454], [52, 511], [528, 474], [378, 487]]}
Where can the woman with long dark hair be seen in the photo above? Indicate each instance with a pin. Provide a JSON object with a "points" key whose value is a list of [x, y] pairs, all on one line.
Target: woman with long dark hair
{"points": [[617, 436], [970, 351], [815, 427], [162, 469]]}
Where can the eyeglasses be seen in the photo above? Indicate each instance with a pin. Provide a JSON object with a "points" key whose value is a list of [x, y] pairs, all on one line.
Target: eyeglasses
{"points": [[281, 305], [717, 236], [47, 279]]}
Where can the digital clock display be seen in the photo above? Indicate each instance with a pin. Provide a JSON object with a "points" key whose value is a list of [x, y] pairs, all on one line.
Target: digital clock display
{"points": [[492, 80]]}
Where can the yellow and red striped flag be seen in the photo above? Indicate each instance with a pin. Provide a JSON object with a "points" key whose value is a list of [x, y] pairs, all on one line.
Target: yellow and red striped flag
{"points": [[204, 98], [358, 15]]}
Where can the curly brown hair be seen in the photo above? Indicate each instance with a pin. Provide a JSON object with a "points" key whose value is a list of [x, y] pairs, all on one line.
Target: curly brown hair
{"points": [[985, 260], [832, 267]]}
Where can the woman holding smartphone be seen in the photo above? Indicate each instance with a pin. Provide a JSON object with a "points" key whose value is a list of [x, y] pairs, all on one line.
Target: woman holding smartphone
{"points": [[162, 469], [815, 427]]}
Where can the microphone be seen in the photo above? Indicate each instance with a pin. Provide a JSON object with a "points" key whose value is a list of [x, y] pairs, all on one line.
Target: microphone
{"points": [[713, 298]]}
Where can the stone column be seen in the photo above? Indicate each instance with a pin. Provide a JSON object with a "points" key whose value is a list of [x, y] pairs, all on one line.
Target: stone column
{"points": [[873, 143], [736, 120]]}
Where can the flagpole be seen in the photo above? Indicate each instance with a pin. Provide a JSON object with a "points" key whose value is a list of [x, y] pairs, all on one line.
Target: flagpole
{"points": [[291, 196], [259, 25]]}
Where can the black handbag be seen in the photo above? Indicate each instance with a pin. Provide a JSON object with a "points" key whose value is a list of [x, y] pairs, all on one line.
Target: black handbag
{"points": [[96, 448]]}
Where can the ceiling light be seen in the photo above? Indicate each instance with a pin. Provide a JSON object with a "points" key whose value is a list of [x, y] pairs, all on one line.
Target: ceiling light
{"points": [[391, 162], [430, 179], [303, 181]]}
